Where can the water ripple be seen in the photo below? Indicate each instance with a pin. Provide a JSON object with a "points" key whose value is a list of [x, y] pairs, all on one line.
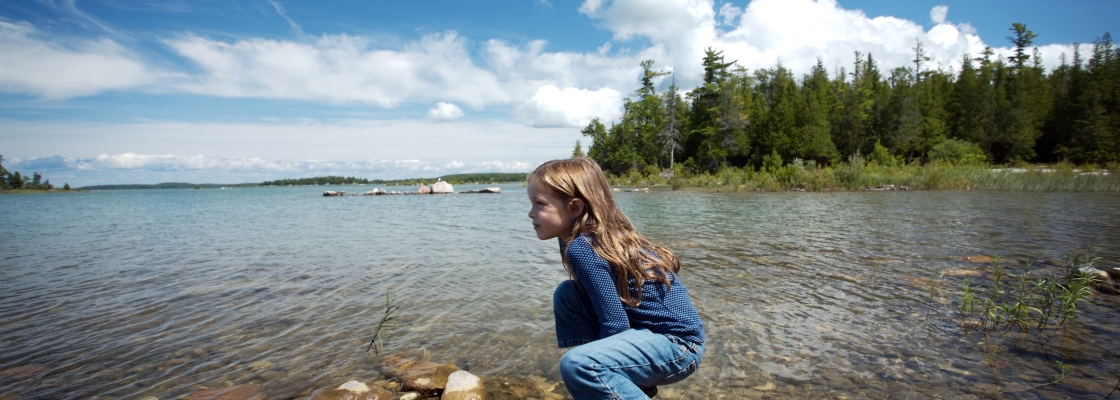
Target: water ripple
{"points": [[165, 292]]}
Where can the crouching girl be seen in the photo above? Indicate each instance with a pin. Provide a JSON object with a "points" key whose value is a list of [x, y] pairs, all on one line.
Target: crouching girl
{"points": [[624, 309]]}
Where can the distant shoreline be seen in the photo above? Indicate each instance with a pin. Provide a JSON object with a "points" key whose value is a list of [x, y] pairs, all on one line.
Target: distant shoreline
{"points": [[454, 179]]}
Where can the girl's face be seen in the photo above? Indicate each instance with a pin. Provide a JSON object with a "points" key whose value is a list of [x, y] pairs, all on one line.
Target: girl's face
{"points": [[551, 216]]}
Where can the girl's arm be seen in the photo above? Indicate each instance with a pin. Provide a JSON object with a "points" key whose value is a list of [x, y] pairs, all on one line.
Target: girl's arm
{"points": [[595, 277]]}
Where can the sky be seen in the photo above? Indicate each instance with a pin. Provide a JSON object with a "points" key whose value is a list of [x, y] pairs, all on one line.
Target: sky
{"points": [[234, 91]]}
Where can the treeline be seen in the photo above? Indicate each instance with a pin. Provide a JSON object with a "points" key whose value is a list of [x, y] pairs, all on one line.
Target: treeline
{"points": [[319, 180], [457, 179], [993, 110], [453, 179], [15, 180], [165, 185]]}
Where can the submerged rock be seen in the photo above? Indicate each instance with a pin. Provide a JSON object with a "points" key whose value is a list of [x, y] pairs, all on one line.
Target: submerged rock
{"points": [[23, 372], [463, 385], [427, 378], [442, 187], [978, 259], [352, 390], [239, 392], [519, 387]]}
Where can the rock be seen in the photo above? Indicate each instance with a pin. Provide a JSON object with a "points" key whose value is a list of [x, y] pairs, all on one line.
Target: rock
{"points": [[375, 192], [463, 385], [766, 387], [352, 390], [427, 378], [519, 387], [239, 392], [331, 193], [393, 365], [961, 272], [23, 372], [1114, 273], [424, 189], [1099, 276], [486, 190], [442, 187], [978, 259], [410, 396]]}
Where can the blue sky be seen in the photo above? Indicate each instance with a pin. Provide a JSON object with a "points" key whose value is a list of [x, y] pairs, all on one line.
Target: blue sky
{"points": [[95, 92]]}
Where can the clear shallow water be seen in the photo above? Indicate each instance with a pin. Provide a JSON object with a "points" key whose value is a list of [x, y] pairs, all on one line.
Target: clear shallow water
{"points": [[127, 294]]}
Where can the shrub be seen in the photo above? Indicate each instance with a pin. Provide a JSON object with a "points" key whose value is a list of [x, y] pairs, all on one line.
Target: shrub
{"points": [[957, 152]]}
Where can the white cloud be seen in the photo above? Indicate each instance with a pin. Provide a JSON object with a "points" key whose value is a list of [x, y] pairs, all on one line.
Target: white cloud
{"points": [[570, 107], [445, 112], [63, 69], [938, 14], [127, 168], [480, 73], [340, 68], [791, 32], [248, 150], [729, 13]]}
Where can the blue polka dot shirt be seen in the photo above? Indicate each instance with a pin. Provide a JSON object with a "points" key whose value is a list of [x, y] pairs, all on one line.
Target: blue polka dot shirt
{"points": [[667, 311]]}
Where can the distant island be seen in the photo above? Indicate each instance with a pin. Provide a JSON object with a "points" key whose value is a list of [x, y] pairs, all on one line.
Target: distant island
{"points": [[454, 179]]}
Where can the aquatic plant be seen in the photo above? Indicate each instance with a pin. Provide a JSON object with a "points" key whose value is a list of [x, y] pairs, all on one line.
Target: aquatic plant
{"points": [[1063, 373], [377, 344], [1025, 302]]}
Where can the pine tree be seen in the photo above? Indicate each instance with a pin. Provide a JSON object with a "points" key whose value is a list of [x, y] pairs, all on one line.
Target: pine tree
{"points": [[670, 134], [578, 151]]}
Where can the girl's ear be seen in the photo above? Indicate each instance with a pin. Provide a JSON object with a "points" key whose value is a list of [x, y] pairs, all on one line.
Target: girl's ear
{"points": [[576, 207]]}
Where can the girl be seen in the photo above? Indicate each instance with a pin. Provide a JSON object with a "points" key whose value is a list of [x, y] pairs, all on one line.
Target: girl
{"points": [[624, 307]]}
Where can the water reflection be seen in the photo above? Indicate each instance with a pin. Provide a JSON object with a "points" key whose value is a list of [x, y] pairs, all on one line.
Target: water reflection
{"points": [[136, 293]]}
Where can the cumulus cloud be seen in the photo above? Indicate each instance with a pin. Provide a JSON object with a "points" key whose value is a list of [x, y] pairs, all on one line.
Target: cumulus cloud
{"points": [[446, 67], [340, 68], [569, 107], [938, 14], [58, 69], [794, 33], [445, 112]]}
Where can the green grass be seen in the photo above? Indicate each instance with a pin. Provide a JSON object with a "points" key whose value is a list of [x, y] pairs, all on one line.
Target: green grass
{"points": [[860, 175]]}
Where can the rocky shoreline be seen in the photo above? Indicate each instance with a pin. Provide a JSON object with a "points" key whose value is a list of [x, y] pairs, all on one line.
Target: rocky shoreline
{"points": [[436, 188], [406, 376]]}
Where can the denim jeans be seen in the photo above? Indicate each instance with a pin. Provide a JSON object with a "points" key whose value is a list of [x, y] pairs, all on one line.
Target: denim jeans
{"points": [[616, 367]]}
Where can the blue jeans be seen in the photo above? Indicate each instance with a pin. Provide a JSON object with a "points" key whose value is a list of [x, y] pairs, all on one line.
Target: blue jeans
{"points": [[616, 367]]}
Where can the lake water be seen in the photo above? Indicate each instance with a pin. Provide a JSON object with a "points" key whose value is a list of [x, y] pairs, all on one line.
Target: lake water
{"points": [[136, 293]]}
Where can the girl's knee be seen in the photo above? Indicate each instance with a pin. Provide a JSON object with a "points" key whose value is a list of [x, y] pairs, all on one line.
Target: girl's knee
{"points": [[565, 292], [575, 363]]}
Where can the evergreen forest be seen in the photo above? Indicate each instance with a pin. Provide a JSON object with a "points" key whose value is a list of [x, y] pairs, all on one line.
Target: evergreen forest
{"points": [[993, 110]]}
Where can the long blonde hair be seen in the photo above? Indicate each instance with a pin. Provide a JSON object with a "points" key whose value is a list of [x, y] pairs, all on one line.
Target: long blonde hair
{"points": [[613, 237]]}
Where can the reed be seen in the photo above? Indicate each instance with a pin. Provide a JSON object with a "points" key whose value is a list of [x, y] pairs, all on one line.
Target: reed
{"points": [[377, 344], [858, 174], [1027, 303]]}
